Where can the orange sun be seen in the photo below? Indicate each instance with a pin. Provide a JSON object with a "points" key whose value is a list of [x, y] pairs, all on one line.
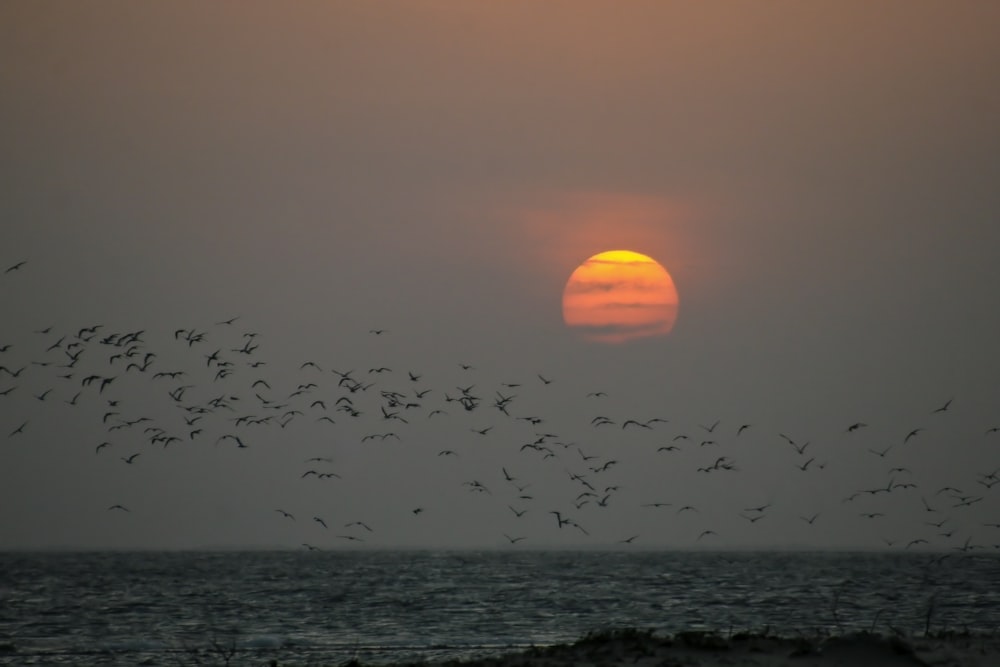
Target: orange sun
{"points": [[620, 295]]}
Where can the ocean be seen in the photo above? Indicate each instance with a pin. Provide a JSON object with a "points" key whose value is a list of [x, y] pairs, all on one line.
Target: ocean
{"points": [[311, 607]]}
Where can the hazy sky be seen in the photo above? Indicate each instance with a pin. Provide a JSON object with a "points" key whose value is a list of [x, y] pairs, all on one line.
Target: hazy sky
{"points": [[820, 180]]}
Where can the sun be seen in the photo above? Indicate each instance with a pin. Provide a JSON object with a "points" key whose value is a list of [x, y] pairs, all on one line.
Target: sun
{"points": [[620, 295]]}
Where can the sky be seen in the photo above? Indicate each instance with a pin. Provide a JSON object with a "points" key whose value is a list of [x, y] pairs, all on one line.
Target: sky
{"points": [[819, 180]]}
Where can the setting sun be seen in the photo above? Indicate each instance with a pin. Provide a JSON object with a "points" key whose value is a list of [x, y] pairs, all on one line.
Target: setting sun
{"points": [[620, 295]]}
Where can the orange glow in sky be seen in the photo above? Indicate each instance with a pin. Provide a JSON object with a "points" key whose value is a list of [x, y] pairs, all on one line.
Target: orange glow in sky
{"points": [[620, 295]]}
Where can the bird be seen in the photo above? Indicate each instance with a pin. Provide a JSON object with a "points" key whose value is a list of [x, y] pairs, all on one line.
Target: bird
{"points": [[130, 459], [810, 519], [119, 507], [15, 267], [319, 521], [944, 408], [800, 450], [234, 438], [359, 523], [18, 430], [880, 452], [559, 519], [759, 508], [285, 514], [513, 540]]}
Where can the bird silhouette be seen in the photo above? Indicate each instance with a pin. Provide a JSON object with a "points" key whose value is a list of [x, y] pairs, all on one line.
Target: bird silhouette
{"points": [[362, 524], [944, 408]]}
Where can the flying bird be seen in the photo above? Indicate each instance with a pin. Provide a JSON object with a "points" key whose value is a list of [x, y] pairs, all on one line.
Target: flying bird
{"points": [[359, 523]]}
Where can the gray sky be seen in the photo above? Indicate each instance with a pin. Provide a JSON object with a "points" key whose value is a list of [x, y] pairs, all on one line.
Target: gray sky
{"points": [[819, 179]]}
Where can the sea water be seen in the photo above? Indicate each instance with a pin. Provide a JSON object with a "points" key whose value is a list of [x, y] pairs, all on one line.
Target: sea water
{"points": [[391, 606]]}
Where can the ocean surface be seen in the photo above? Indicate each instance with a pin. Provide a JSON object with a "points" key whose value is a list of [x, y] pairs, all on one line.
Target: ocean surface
{"points": [[180, 608]]}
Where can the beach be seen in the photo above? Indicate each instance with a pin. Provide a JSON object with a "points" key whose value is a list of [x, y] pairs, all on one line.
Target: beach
{"points": [[704, 649]]}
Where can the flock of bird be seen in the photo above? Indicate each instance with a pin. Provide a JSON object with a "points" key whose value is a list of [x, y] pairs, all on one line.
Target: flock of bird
{"points": [[484, 453]]}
